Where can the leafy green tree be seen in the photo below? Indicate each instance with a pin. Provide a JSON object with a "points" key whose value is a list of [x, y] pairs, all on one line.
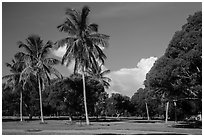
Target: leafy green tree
{"points": [[38, 63], [10, 101], [118, 105], [178, 73], [83, 44], [138, 100]]}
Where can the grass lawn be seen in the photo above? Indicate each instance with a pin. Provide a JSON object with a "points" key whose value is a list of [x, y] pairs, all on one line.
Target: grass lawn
{"points": [[63, 127]]}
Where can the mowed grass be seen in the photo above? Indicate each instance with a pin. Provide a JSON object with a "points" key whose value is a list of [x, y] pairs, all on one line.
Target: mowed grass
{"points": [[117, 127]]}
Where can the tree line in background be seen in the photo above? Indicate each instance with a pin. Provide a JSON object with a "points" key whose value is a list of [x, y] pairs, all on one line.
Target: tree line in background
{"points": [[172, 86]]}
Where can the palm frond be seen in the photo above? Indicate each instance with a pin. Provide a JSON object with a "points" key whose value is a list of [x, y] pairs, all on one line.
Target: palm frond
{"points": [[100, 55], [25, 74], [26, 47], [99, 38], [74, 15], [8, 65], [9, 76], [106, 84], [45, 50], [51, 61], [92, 28], [68, 26], [106, 79], [56, 73], [63, 42], [68, 56], [105, 72], [46, 68]]}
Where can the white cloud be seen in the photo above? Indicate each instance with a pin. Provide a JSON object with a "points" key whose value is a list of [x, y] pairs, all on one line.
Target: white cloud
{"points": [[128, 80], [59, 52]]}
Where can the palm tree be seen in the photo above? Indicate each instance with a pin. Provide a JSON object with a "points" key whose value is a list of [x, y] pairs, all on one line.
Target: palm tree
{"points": [[16, 67], [83, 44], [38, 63], [98, 74]]}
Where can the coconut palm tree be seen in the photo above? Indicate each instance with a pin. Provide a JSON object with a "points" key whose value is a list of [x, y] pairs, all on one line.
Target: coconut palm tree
{"points": [[98, 74], [16, 67], [83, 44], [38, 63]]}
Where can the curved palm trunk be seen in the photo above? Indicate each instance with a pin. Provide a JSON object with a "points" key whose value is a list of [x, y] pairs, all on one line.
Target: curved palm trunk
{"points": [[21, 105], [41, 109], [85, 104]]}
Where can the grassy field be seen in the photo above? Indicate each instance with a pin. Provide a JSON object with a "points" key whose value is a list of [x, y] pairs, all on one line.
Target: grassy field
{"points": [[114, 127]]}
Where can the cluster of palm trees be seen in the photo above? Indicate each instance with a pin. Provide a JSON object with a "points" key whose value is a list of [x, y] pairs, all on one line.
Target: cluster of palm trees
{"points": [[83, 46]]}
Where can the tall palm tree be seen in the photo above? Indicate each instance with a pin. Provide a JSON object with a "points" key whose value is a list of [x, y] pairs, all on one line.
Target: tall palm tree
{"points": [[38, 63], [16, 67], [83, 44]]}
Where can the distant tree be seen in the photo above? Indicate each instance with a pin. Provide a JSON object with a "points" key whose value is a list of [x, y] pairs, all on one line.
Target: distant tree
{"points": [[10, 101], [119, 105], [138, 101], [82, 44], [101, 104]]}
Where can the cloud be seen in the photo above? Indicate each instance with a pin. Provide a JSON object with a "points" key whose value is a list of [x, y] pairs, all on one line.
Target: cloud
{"points": [[128, 80], [59, 52]]}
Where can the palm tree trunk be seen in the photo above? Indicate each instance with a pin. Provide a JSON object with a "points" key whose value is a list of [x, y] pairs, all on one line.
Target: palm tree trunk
{"points": [[147, 111], [21, 105], [41, 110], [167, 109], [85, 104]]}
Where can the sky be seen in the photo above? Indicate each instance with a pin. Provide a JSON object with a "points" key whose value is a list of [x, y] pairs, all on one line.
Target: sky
{"points": [[139, 33]]}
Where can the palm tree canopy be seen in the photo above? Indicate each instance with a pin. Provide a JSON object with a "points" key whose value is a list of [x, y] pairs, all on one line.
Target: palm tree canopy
{"points": [[36, 59], [16, 66], [98, 74], [83, 42]]}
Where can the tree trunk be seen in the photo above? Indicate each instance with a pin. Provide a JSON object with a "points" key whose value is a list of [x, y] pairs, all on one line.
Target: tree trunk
{"points": [[147, 111], [167, 109], [21, 105], [85, 104], [41, 109], [175, 111]]}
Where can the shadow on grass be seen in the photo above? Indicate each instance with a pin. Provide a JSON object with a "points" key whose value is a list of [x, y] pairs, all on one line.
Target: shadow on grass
{"points": [[188, 124], [162, 134]]}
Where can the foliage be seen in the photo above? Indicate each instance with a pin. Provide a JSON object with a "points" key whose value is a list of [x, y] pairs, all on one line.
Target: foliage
{"points": [[141, 97], [118, 104], [83, 43], [66, 96], [178, 73]]}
